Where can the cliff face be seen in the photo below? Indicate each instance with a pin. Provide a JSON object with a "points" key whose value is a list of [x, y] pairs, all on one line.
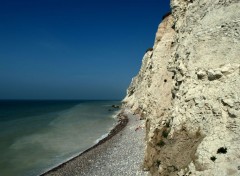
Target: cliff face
{"points": [[188, 91], [152, 86]]}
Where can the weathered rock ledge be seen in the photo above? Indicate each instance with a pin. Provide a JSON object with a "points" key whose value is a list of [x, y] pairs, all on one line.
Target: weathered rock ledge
{"points": [[188, 91]]}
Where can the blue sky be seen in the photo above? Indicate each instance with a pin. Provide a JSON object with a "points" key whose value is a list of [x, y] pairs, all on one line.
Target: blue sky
{"points": [[73, 49]]}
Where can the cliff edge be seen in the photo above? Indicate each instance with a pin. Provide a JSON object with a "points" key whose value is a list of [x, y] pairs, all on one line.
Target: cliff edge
{"points": [[188, 91]]}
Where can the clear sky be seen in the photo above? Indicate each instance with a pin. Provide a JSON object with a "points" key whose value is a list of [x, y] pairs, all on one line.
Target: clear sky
{"points": [[74, 49]]}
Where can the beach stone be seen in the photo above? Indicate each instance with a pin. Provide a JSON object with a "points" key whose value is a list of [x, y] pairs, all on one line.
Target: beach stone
{"points": [[120, 155]]}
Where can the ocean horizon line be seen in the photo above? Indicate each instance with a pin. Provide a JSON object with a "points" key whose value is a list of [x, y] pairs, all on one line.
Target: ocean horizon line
{"points": [[60, 99]]}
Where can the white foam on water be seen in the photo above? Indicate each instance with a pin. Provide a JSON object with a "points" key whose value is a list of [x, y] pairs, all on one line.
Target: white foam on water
{"points": [[101, 138], [115, 114], [69, 134]]}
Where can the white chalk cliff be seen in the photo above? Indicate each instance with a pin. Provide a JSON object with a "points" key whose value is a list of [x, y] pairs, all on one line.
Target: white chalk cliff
{"points": [[188, 90]]}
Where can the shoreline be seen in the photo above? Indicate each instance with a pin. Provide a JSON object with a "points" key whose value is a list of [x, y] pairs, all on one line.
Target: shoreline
{"points": [[121, 123]]}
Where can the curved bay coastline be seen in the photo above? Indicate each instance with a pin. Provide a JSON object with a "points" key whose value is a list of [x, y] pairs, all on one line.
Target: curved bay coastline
{"points": [[38, 135], [122, 120]]}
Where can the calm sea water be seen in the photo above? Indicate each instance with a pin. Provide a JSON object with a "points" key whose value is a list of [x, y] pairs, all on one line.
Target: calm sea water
{"points": [[38, 135]]}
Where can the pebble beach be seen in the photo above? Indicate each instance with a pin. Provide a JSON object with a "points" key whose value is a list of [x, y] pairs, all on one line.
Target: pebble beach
{"points": [[121, 153]]}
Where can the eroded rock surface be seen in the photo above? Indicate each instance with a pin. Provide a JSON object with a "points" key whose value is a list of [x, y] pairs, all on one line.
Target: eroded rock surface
{"points": [[188, 89]]}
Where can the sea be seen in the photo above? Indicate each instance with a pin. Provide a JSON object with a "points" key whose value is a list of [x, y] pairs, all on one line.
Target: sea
{"points": [[37, 135]]}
